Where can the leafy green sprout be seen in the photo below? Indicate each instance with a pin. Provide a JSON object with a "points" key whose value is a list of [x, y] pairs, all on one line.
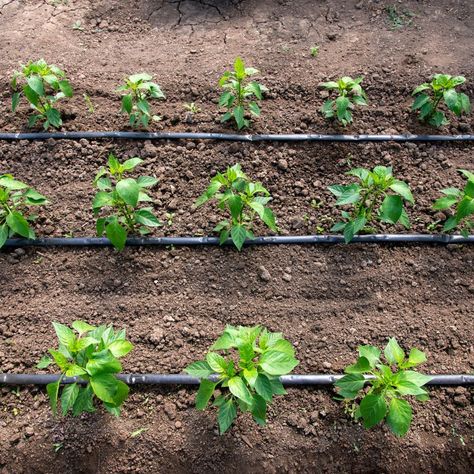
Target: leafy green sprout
{"points": [[350, 94], [388, 384], [462, 202], [15, 199], [314, 50], [91, 353], [239, 94], [122, 197], [42, 85], [249, 384], [398, 19], [77, 25], [378, 196], [88, 101], [192, 107], [139, 90], [442, 88], [243, 199]]}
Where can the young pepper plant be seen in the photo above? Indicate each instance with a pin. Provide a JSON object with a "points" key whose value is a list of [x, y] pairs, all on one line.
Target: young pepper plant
{"points": [[122, 197], [384, 398], [378, 196], [15, 198], [442, 88], [42, 85], [463, 203], [350, 93], [248, 385], [243, 200], [93, 355], [139, 90], [239, 94]]}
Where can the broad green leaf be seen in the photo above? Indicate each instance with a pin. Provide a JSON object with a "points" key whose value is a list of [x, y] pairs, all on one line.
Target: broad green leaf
{"points": [[3, 234], [402, 188], [54, 117], [371, 353], [65, 335], [9, 182], [277, 387], [416, 357], [60, 359], [225, 341], [239, 116], [226, 415], [393, 352], [147, 218], [391, 209], [277, 363], [75, 370], [131, 163], [350, 385], [120, 348], [18, 224], [15, 100], [444, 203], [216, 362], [84, 401], [128, 190], [373, 409], [82, 327], [116, 234], [146, 181], [66, 88], [362, 365], [263, 387], [53, 389], [200, 369], [44, 362], [103, 362], [36, 84], [68, 397], [259, 410], [127, 103], [413, 377], [399, 416], [206, 389], [409, 388], [420, 100], [239, 235], [104, 387], [238, 388]]}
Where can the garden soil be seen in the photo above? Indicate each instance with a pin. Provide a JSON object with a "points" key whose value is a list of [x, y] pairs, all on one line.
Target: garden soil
{"points": [[174, 302]]}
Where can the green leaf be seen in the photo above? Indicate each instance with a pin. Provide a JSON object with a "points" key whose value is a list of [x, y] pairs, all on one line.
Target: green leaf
{"points": [[147, 218], [225, 341], [216, 362], [239, 235], [269, 219], [206, 389], [44, 362], [127, 103], [226, 415], [60, 359], [399, 416], [120, 348], [402, 188], [84, 401], [128, 190], [65, 335], [82, 327], [451, 99], [239, 67], [254, 109], [350, 385], [104, 387], [373, 409], [391, 209], [409, 388], [371, 353], [263, 387], [259, 410], [116, 234], [75, 370], [238, 388], [277, 363], [54, 117], [277, 387], [239, 116], [416, 357], [103, 362], [131, 163], [444, 203], [3, 234], [414, 377], [362, 365], [342, 104], [146, 181], [53, 389], [66, 88], [420, 100], [393, 352], [8, 182], [200, 369], [68, 397], [36, 84], [18, 224], [15, 100]]}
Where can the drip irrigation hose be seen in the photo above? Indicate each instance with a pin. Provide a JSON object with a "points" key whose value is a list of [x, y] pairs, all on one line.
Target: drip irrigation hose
{"points": [[300, 137], [183, 379], [268, 240]]}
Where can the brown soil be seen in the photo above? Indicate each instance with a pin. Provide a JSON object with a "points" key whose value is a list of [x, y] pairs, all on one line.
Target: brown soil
{"points": [[174, 302]]}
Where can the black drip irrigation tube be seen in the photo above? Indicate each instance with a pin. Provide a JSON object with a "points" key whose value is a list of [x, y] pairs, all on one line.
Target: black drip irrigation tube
{"points": [[300, 137], [268, 240], [183, 379]]}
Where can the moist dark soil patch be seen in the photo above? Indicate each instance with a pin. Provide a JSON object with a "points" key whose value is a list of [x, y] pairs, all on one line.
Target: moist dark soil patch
{"points": [[174, 302]]}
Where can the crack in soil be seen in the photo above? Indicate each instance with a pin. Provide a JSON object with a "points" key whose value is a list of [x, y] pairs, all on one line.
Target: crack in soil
{"points": [[5, 5]]}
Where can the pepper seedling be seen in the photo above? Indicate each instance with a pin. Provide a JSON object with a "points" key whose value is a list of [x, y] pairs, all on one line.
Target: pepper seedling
{"points": [[42, 85], [442, 88], [350, 93], [239, 94], [243, 199], [123, 197], [139, 90], [248, 385], [378, 196], [93, 355], [15, 198], [463, 203], [384, 398]]}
